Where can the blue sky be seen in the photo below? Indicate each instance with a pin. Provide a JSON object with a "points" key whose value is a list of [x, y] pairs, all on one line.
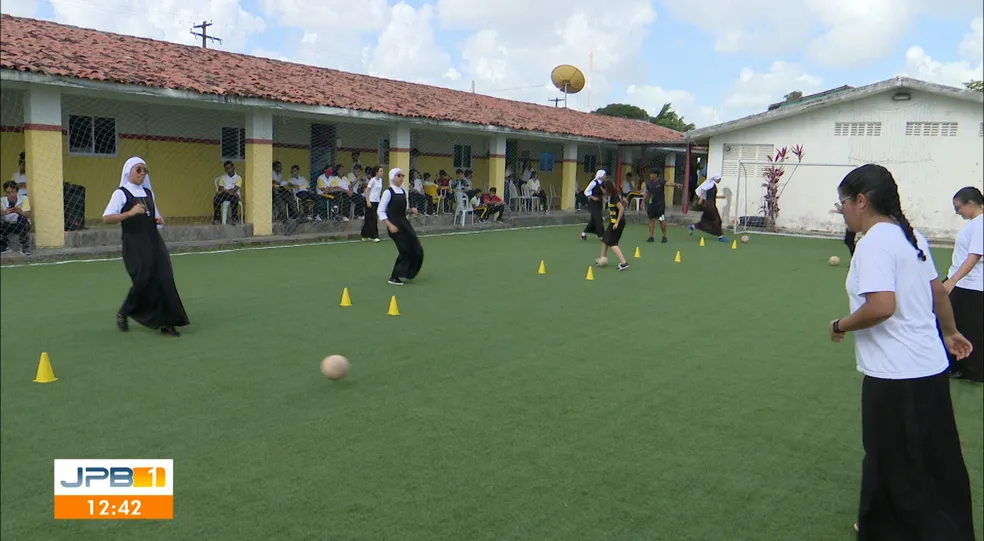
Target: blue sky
{"points": [[714, 59]]}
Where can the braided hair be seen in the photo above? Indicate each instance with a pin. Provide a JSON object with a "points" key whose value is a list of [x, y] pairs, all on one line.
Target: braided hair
{"points": [[878, 185]]}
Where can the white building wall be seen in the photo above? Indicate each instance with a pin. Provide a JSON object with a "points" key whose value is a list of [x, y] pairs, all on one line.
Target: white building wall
{"points": [[928, 168]]}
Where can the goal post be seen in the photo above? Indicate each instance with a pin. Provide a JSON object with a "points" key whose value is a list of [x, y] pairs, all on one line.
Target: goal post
{"points": [[805, 195]]}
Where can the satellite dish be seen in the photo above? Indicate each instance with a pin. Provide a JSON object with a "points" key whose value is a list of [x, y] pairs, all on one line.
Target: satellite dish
{"points": [[568, 79]]}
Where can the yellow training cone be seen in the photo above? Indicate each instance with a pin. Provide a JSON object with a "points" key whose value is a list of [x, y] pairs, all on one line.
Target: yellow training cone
{"points": [[590, 275], [677, 258], [702, 241], [734, 245], [346, 299], [543, 268], [394, 309], [638, 254], [45, 373]]}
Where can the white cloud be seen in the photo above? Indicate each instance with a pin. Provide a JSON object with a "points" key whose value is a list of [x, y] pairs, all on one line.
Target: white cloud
{"points": [[21, 8], [511, 57], [836, 33], [170, 21], [920, 65], [651, 98], [406, 49], [754, 91]]}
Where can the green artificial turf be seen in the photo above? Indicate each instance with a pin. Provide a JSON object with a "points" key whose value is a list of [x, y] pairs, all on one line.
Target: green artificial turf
{"points": [[693, 401]]}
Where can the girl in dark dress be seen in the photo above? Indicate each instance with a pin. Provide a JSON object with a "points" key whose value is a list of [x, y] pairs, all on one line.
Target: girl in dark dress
{"points": [[710, 219], [153, 299], [616, 224], [393, 209]]}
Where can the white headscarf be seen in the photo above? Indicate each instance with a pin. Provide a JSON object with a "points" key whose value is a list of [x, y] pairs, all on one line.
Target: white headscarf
{"points": [[715, 179], [393, 172], [601, 173], [128, 166]]}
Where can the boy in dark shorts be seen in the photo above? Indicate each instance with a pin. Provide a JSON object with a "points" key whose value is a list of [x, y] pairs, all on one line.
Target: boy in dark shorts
{"points": [[655, 198]]}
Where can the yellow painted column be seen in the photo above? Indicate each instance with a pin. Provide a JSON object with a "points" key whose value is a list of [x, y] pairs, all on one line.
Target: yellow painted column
{"points": [[568, 177], [259, 159], [669, 174], [399, 151], [497, 164], [43, 153]]}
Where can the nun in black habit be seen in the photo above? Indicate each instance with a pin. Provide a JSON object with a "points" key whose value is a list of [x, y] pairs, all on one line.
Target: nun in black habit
{"points": [[153, 299], [393, 209]]}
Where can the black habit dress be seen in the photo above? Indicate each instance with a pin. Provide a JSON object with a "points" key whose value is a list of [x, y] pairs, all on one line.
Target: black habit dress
{"points": [[153, 299], [411, 253], [710, 218]]}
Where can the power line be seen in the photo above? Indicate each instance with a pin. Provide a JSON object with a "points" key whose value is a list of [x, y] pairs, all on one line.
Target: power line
{"points": [[204, 33]]}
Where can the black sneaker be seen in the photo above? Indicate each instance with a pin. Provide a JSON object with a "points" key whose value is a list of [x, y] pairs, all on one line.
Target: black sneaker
{"points": [[650, 239], [25, 252], [122, 322], [170, 331], [5, 250], [663, 241], [396, 281], [623, 266]]}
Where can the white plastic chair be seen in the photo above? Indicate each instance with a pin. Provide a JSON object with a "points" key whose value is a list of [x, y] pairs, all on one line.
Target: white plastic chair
{"points": [[518, 197], [463, 208], [553, 196], [227, 204]]}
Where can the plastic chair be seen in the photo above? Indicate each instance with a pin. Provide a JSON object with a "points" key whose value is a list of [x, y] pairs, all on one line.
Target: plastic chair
{"points": [[463, 208], [227, 204]]}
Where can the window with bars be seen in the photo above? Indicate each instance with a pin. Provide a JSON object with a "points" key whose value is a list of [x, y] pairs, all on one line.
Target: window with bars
{"points": [[546, 162], [931, 129], [92, 135], [383, 152], [462, 157], [590, 163], [233, 144], [857, 129]]}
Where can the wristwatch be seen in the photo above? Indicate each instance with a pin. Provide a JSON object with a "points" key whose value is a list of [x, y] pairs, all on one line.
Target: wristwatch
{"points": [[837, 327]]}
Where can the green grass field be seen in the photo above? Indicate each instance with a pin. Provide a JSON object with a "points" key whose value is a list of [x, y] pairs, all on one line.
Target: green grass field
{"points": [[501, 404]]}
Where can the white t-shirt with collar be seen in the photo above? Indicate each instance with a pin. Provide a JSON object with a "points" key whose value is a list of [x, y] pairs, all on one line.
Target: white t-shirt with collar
{"points": [[375, 189], [907, 345], [20, 178], [22, 201], [970, 240]]}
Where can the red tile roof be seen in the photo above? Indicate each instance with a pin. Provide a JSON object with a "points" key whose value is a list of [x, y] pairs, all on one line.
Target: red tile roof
{"points": [[55, 49]]}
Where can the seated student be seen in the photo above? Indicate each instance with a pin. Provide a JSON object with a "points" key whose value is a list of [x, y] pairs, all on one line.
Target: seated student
{"points": [[470, 189], [491, 205], [230, 189], [341, 189], [537, 191], [15, 218], [323, 185], [281, 197], [299, 186], [20, 177], [418, 199], [629, 191]]}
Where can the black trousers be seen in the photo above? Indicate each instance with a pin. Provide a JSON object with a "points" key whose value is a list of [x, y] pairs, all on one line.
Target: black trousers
{"points": [[21, 228], [222, 197], [968, 311], [849, 240], [370, 228], [914, 482]]}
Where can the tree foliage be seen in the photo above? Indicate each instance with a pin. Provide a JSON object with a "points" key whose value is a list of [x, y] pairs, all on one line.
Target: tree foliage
{"points": [[794, 95], [667, 117], [975, 85]]}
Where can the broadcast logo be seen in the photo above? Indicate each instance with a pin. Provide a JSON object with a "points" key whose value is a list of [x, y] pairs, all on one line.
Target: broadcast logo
{"points": [[114, 489]]}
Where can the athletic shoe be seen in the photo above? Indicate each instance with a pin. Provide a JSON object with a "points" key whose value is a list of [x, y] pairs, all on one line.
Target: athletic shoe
{"points": [[691, 229], [7, 249], [396, 281], [122, 323], [623, 266], [375, 240], [664, 241], [722, 239], [650, 239], [170, 331], [25, 252], [584, 236]]}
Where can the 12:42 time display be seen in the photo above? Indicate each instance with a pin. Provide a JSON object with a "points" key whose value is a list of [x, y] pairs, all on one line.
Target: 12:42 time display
{"points": [[124, 507]]}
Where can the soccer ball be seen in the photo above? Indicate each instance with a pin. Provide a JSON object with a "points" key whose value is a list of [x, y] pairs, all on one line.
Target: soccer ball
{"points": [[834, 261], [334, 367], [602, 261], [744, 239]]}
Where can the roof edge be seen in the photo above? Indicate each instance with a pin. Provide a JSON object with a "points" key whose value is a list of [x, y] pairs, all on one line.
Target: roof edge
{"points": [[834, 99], [29, 78]]}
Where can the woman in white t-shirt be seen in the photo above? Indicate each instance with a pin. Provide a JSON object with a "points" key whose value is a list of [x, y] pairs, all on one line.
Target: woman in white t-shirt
{"points": [[914, 482], [373, 193], [965, 282]]}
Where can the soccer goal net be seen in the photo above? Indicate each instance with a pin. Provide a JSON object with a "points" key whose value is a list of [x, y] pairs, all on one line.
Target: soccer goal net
{"points": [[784, 196]]}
